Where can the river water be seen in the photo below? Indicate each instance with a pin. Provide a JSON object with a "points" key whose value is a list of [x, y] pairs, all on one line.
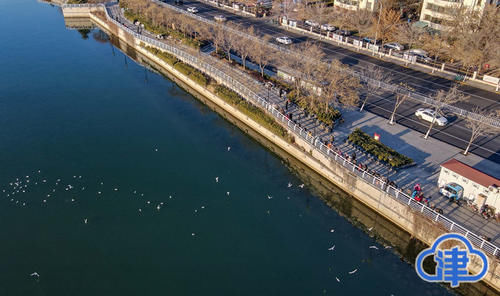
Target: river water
{"points": [[108, 186]]}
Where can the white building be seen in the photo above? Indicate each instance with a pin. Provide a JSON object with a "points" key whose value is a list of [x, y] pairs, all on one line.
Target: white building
{"points": [[436, 12], [355, 4], [478, 186]]}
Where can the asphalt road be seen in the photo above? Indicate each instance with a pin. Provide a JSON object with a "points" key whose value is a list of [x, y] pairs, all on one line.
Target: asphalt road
{"points": [[456, 133]]}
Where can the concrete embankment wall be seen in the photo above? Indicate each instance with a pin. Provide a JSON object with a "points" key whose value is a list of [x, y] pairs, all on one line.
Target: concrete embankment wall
{"points": [[401, 215]]}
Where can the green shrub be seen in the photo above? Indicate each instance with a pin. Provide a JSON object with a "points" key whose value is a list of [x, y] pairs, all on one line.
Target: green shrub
{"points": [[183, 68], [199, 78], [252, 111], [379, 150]]}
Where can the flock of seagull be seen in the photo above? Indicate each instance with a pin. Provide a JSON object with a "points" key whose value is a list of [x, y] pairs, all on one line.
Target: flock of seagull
{"points": [[16, 190]]}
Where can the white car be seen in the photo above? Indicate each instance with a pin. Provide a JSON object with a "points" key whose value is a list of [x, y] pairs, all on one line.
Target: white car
{"points": [[327, 27], [220, 18], [394, 46], [192, 9], [284, 40], [420, 54], [312, 23], [428, 115]]}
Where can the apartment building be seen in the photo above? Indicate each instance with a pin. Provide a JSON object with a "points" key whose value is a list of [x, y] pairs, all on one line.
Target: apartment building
{"points": [[356, 4], [436, 12]]}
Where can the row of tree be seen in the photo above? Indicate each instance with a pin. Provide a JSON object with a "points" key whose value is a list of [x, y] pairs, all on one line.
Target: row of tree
{"points": [[329, 83], [468, 36]]}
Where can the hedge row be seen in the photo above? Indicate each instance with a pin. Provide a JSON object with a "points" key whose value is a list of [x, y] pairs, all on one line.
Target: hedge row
{"points": [[379, 150], [194, 74], [327, 116], [252, 111], [228, 95]]}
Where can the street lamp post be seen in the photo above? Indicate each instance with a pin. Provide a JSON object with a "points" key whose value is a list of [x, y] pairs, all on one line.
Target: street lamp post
{"points": [[378, 25]]}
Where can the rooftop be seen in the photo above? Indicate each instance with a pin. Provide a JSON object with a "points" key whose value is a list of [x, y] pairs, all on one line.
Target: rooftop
{"points": [[470, 173]]}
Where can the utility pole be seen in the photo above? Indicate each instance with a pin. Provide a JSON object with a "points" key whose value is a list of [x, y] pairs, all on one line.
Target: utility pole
{"points": [[378, 25]]}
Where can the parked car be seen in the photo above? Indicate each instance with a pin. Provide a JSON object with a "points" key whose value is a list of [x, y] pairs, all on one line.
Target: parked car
{"points": [[178, 2], [452, 191], [428, 115], [420, 54], [192, 9], [311, 23], [343, 32], [284, 40], [394, 46], [369, 40], [327, 27], [417, 51], [220, 18]]}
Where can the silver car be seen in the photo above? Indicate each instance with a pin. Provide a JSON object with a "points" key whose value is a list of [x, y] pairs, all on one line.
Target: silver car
{"points": [[327, 27], [220, 18], [428, 115], [394, 46], [312, 23], [284, 40]]}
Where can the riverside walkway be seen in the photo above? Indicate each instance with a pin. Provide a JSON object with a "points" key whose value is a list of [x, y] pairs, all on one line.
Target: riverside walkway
{"points": [[315, 134]]}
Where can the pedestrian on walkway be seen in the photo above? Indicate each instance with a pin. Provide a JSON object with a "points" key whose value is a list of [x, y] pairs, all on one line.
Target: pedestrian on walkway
{"points": [[291, 116], [286, 105]]}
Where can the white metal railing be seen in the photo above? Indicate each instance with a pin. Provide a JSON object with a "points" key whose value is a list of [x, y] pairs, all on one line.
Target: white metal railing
{"points": [[294, 129]]}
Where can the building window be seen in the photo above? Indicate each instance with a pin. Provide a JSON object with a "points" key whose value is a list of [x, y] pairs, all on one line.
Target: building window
{"points": [[475, 186], [465, 180], [439, 9], [455, 176]]}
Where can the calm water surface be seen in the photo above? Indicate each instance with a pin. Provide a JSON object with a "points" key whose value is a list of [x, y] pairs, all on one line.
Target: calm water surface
{"points": [[122, 197]]}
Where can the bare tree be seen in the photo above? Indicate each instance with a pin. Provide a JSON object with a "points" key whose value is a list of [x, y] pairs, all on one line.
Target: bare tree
{"points": [[443, 98], [480, 127], [218, 33], [436, 45], [262, 54], [311, 69], [385, 24], [361, 20], [401, 97], [244, 46], [374, 77], [339, 86], [476, 36], [407, 33], [230, 40]]}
